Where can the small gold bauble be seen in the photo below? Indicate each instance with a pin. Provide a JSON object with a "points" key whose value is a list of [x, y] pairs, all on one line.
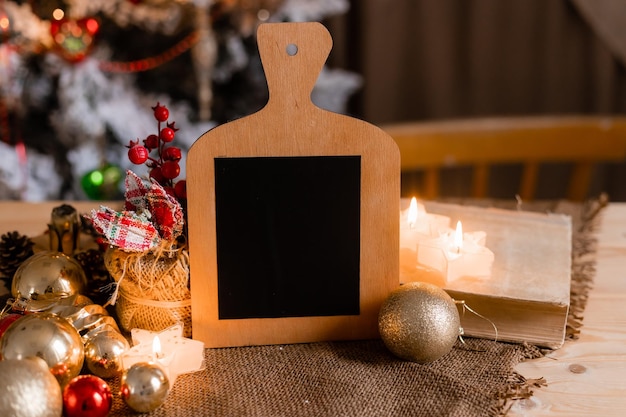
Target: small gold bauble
{"points": [[144, 387], [45, 278], [419, 322], [103, 352], [48, 336], [28, 389], [93, 324], [71, 306]]}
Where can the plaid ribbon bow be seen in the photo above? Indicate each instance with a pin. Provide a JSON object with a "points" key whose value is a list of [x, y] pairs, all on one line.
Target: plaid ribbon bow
{"points": [[150, 215]]}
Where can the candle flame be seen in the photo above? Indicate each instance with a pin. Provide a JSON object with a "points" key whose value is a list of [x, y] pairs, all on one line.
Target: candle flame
{"points": [[458, 236], [412, 214], [156, 347]]}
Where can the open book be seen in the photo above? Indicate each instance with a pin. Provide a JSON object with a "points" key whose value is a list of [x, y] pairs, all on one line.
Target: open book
{"points": [[527, 296]]}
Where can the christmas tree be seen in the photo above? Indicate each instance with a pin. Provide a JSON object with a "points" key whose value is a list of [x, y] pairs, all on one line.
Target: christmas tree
{"points": [[78, 78]]}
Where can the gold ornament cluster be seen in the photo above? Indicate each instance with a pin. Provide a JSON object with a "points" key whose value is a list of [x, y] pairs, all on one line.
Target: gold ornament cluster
{"points": [[50, 332]]}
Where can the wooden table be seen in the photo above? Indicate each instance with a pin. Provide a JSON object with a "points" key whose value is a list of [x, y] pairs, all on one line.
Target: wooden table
{"points": [[32, 219], [586, 377]]}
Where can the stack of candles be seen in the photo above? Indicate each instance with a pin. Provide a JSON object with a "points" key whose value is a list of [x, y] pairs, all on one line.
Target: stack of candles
{"points": [[431, 251]]}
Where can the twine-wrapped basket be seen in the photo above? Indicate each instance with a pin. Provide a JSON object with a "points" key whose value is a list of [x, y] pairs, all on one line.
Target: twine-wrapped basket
{"points": [[152, 287]]}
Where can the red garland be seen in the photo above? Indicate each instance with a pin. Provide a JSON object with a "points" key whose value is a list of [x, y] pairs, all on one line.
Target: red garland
{"points": [[147, 64]]}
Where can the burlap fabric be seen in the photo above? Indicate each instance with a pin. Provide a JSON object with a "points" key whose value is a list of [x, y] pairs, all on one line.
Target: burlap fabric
{"points": [[153, 288], [362, 378]]}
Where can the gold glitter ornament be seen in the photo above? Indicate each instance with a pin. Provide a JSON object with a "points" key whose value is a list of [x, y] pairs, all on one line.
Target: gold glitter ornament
{"points": [[28, 389], [419, 322]]}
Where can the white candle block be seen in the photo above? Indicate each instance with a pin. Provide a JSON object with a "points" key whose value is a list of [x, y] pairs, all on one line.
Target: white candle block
{"points": [[179, 355], [467, 258], [417, 225], [415, 222], [479, 238], [151, 352], [135, 355]]}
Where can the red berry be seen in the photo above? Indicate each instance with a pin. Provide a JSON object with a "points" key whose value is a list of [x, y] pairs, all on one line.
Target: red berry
{"points": [[161, 113], [170, 191], [167, 134], [132, 143], [172, 154], [181, 189], [157, 175], [138, 154], [151, 142], [170, 169]]}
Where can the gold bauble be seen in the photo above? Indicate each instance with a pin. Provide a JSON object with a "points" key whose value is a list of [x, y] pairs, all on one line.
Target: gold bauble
{"points": [[47, 277], [28, 389], [93, 324], [103, 352], [70, 306], [144, 387], [419, 322], [48, 336]]}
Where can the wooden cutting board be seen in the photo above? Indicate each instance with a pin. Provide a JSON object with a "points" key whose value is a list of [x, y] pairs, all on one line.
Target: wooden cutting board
{"points": [[292, 211]]}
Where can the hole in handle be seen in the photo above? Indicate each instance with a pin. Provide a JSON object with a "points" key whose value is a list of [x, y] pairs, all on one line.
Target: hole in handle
{"points": [[292, 49]]}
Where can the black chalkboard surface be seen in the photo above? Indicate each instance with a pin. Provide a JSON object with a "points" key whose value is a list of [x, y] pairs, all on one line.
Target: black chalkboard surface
{"points": [[288, 241]]}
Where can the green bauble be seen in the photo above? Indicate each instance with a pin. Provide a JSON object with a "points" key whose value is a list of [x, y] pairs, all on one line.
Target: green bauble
{"points": [[419, 322], [103, 183]]}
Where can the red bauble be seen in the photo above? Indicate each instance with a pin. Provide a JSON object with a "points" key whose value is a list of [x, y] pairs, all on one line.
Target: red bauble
{"points": [[74, 38], [7, 320], [170, 169], [138, 154], [87, 396]]}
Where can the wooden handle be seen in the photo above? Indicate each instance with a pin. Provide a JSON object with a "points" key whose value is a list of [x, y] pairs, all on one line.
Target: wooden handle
{"points": [[293, 55]]}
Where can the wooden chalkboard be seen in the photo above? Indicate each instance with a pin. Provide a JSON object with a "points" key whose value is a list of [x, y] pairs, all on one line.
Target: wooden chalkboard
{"points": [[293, 212]]}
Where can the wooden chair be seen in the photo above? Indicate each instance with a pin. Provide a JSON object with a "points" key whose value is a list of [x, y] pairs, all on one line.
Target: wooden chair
{"points": [[582, 141]]}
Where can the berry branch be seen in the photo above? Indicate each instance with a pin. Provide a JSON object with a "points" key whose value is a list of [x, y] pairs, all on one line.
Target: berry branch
{"points": [[164, 168]]}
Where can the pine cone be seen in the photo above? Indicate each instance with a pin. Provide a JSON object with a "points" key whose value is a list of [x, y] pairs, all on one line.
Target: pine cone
{"points": [[98, 278], [15, 248], [92, 262]]}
